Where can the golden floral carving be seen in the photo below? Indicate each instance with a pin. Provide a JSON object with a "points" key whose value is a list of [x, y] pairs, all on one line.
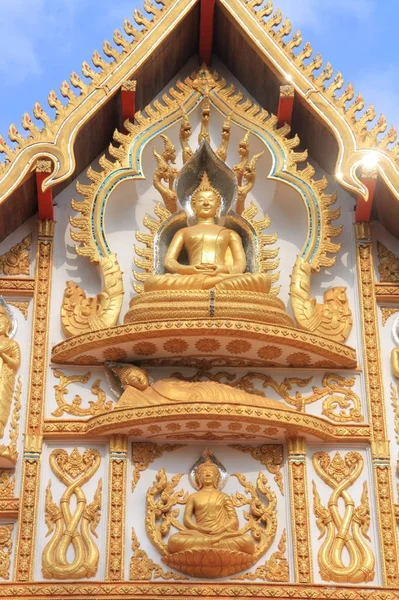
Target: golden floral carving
{"points": [[347, 533], [238, 346], [7, 484], [80, 314], [207, 345], [175, 346], [23, 307], [301, 532], [375, 399], [30, 496], [87, 359], [144, 348], [116, 507], [388, 266], [144, 453], [270, 456], [75, 408], [298, 359], [16, 260], [115, 354], [17, 286], [269, 352], [72, 526], [142, 568], [5, 550], [274, 569], [10, 360]]}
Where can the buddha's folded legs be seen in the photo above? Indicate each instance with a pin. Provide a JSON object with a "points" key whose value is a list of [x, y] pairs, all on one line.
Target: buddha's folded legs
{"points": [[190, 541], [251, 282]]}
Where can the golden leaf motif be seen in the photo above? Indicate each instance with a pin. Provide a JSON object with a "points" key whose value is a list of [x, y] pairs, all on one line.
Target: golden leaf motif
{"points": [[16, 260], [99, 406]]}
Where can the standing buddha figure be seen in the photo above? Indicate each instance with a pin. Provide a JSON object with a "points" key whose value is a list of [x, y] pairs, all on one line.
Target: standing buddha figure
{"points": [[10, 359], [216, 257]]}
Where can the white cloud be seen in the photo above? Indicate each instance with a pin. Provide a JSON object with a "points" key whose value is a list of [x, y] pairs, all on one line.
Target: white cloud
{"points": [[317, 12], [24, 26]]}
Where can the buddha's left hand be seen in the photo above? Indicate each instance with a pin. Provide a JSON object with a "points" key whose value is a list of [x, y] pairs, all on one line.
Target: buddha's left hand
{"points": [[216, 269]]}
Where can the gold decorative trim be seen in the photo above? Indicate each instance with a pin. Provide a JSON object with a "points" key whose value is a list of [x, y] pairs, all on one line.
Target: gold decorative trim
{"points": [[69, 351], [271, 457], [5, 550], [9, 453], [16, 260], [116, 508], [376, 406], [23, 307], [129, 85], [144, 453], [44, 166], [387, 293], [17, 286], [287, 91], [301, 530], [157, 590], [25, 554], [56, 140]]}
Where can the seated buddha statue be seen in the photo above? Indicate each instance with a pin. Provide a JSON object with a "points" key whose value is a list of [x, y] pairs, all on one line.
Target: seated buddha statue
{"points": [[210, 518], [216, 257]]}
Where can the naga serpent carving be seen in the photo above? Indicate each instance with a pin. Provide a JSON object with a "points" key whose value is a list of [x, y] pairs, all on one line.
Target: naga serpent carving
{"points": [[344, 555], [80, 314], [332, 319], [72, 527]]}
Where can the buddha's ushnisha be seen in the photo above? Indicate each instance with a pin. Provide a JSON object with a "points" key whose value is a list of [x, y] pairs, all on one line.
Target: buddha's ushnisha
{"points": [[216, 257]]}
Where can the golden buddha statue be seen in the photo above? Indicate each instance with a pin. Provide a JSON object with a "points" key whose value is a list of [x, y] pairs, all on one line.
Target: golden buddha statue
{"points": [[210, 518], [138, 393], [216, 257], [10, 359]]}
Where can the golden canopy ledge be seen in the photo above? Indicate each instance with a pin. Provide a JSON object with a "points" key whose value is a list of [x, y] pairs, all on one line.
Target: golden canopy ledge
{"points": [[211, 341]]}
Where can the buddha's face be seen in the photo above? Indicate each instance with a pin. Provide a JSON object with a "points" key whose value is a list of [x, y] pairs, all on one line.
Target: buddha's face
{"points": [[205, 204], [207, 476], [4, 324]]}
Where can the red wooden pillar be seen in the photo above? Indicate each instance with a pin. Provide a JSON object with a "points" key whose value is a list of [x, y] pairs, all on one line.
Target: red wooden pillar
{"points": [[207, 11], [128, 100], [363, 208], [285, 105], [44, 198]]}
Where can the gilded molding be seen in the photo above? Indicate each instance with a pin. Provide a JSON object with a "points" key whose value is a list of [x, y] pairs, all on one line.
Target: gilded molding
{"points": [[44, 166], [275, 568], [116, 508], [17, 261], [25, 554], [142, 568], [287, 91], [387, 313], [376, 407], [9, 453], [23, 307], [129, 85], [301, 530], [55, 141], [17, 286]]}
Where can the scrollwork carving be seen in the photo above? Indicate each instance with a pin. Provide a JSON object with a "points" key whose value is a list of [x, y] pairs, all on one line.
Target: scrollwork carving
{"points": [[5, 550], [99, 406], [269, 455], [343, 534], [142, 568], [70, 524], [144, 453], [16, 260], [388, 266]]}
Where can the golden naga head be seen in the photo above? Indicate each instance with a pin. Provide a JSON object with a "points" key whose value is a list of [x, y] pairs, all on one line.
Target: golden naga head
{"points": [[206, 200], [208, 473]]}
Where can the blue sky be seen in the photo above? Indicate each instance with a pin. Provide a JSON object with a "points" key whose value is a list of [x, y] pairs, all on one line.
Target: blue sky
{"points": [[43, 41]]}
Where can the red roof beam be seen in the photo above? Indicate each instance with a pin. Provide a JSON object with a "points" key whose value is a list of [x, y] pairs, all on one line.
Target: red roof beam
{"points": [[363, 208], [207, 12], [44, 198], [128, 100], [285, 105]]}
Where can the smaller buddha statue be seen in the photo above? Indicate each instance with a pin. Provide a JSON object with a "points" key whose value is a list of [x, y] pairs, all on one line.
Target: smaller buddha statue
{"points": [[216, 257], [210, 518], [10, 359]]}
